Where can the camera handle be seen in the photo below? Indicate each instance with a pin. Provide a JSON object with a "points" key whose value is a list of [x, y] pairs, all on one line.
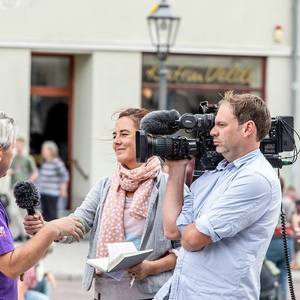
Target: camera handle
{"points": [[286, 252]]}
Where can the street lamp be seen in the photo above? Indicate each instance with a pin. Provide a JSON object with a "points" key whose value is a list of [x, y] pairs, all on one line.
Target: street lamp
{"points": [[163, 27]]}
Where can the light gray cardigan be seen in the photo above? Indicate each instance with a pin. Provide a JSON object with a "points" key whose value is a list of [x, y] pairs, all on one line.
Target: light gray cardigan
{"points": [[153, 237]]}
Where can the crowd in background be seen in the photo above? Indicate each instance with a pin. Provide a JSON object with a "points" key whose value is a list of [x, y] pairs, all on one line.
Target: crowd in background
{"points": [[276, 252]]}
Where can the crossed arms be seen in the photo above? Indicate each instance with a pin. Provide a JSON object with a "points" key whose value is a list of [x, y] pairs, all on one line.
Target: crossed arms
{"points": [[191, 238]]}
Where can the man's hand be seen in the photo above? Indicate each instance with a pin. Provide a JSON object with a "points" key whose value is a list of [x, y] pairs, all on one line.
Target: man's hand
{"points": [[68, 226], [141, 270], [33, 224], [177, 165], [194, 240], [173, 197]]}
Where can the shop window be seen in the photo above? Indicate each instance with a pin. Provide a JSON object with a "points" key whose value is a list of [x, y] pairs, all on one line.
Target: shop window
{"points": [[50, 71], [193, 79]]}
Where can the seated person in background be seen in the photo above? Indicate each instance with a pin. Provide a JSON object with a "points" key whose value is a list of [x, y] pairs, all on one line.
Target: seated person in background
{"points": [[35, 285]]}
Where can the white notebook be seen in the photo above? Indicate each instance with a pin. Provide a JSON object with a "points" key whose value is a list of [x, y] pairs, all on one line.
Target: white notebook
{"points": [[121, 256]]}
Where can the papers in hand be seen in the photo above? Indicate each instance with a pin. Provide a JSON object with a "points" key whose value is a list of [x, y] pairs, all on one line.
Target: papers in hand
{"points": [[121, 256]]}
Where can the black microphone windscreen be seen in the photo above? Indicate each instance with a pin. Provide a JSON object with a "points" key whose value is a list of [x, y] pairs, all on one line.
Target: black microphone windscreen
{"points": [[27, 195], [162, 122]]}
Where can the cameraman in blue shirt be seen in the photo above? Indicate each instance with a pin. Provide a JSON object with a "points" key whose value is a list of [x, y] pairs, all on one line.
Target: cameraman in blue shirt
{"points": [[227, 220]]}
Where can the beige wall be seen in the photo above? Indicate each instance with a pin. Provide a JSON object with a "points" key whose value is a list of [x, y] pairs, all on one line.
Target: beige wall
{"points": [[249, 24], [116, 85], [278, 78], [278, 90], [15, 87], [82, 125]]}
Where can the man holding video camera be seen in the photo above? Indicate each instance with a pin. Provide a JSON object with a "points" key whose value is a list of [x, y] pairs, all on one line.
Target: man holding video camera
{"points": [[227, 220]]}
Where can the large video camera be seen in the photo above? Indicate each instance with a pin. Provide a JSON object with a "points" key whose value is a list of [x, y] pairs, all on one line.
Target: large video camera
{"points": [[152, 139]]}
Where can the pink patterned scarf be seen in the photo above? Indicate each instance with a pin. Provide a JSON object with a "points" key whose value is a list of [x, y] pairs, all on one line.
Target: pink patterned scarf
{"points": [[140, 181]]}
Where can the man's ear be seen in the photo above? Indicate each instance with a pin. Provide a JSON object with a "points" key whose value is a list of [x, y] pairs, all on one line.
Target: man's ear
{"points": [[249, 127], [1, 154]]}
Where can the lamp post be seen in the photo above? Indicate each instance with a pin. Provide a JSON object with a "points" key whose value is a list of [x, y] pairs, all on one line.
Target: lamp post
{"points": [[163, 27]]}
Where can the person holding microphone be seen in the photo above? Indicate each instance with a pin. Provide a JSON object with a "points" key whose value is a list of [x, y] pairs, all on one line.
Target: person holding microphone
{"points": [[15, 261]]}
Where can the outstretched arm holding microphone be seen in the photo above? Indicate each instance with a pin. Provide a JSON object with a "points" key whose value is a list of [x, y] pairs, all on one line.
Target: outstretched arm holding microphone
{"points": [[17, 261]]}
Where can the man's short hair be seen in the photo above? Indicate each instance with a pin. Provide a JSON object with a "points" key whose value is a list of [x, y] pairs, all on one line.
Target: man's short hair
{"points": [[7, 131], [248, 107]]}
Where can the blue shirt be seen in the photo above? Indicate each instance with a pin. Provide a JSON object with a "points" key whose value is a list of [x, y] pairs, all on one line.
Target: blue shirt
{"points": [[238, 206], [52, 175]]}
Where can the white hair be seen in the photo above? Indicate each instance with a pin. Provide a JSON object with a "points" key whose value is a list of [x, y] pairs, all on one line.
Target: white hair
{"points": [[7, 131], [52, 147]]}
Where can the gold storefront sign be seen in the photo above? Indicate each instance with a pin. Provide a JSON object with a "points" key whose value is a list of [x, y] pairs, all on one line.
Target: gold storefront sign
{"points": [[210, 75]]}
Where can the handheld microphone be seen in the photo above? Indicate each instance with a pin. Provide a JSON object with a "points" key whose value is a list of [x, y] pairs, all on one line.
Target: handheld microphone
{"points": [[27, 196], [161, 122]]}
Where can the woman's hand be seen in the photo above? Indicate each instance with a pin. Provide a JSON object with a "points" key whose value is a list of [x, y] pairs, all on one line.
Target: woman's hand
{"points": [[33, 224], [142, 270], [153, 267]]}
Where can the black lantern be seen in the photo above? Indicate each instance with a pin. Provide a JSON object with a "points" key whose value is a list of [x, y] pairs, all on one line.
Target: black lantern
{"points": [[163, 27]]}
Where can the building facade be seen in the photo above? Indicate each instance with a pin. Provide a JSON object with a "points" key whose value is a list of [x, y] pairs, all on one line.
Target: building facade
{"points": [[68, 66]]}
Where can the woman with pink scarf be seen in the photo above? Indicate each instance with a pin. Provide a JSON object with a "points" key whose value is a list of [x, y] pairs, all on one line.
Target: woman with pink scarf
{"points": [[128, 207]]}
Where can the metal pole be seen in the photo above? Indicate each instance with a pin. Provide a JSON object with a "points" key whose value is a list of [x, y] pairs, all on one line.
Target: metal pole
{"points": [[295, 83], [162, 92]]}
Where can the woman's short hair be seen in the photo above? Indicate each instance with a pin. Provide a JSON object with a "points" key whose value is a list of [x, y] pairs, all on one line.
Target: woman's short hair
{"points": [[135, 114], [52, 147], [7, 131]]}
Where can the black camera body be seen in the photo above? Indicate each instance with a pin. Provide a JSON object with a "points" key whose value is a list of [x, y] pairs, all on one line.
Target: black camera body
{"points": [[279, 139]]}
